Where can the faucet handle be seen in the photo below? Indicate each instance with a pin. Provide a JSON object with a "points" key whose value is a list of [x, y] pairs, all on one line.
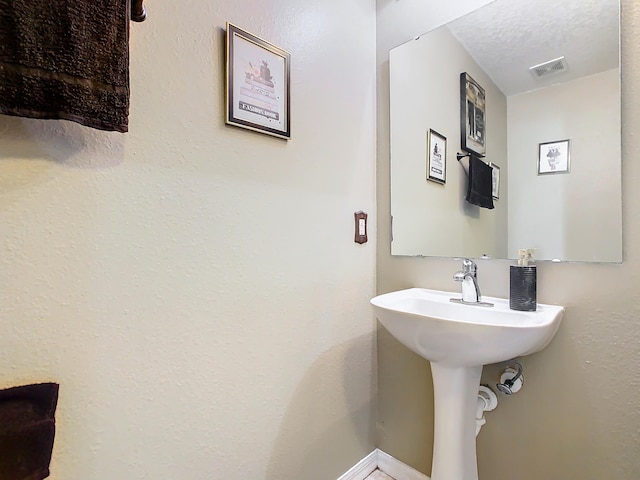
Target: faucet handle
{"points": [[469, 266]]}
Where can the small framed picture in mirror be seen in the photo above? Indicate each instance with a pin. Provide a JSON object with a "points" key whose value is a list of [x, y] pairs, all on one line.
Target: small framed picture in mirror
{"points": [[436, 157], [472, 115], [553, 157], [495, 180]]}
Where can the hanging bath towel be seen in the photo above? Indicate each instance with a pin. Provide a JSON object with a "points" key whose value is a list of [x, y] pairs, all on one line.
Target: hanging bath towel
{"points": [[27, 430], [66, 59], [480, 183]]}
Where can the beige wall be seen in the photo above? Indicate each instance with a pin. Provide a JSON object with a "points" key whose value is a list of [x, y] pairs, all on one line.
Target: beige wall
{"points": [[578, 415], [585, 203], [195, 288], [425, 94]]}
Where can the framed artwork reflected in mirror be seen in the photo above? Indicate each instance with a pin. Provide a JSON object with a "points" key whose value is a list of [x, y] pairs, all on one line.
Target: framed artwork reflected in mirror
{"points": [[472, 115], [436, 157], [553, 157]]}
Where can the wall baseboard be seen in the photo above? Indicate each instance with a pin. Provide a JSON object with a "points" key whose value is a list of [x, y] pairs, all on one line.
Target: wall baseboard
{"points": [[363, 468], [386, 463], [398, 470]]}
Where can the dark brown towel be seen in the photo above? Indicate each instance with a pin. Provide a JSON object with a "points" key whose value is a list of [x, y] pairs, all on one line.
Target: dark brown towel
{"points": [[66, 59], [480, 183], [27, 430]]}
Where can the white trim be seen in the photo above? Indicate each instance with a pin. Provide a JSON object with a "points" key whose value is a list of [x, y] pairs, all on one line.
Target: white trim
{"points": [[363, 468], [398, 470], [386, 463]]}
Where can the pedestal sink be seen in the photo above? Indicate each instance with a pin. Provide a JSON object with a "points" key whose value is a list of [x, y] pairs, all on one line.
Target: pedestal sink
{"points": [[458, 340]]}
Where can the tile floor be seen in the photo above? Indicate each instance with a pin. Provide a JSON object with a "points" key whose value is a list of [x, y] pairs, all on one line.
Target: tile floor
{"points": [[378, 475]]}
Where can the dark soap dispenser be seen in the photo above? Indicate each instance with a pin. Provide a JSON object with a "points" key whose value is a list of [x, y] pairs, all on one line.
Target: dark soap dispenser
{"points": [[523, 283]]}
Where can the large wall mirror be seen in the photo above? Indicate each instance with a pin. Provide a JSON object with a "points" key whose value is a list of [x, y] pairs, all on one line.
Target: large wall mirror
{"points": [[549, 125]]}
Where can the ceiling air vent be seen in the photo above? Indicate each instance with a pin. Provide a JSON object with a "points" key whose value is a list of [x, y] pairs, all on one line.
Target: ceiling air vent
{"points": [[551, 67]]}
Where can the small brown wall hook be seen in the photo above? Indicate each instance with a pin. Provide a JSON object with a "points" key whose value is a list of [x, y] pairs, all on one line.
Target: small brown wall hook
{"points": [[138, 12]]}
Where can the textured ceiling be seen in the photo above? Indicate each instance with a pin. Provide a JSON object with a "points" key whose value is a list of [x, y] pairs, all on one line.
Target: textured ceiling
{"points": [[585, 32]]}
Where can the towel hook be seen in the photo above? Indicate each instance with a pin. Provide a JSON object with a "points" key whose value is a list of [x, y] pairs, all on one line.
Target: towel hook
{"points": [[460, 156], [138, 12], [465, 168]]}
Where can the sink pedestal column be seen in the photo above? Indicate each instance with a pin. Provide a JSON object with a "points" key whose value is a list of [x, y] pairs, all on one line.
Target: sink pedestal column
{"points": [[455, 391]]}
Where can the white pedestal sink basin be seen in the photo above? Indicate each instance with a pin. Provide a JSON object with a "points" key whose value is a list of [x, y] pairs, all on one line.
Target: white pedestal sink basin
{"points": [[458, 340]]}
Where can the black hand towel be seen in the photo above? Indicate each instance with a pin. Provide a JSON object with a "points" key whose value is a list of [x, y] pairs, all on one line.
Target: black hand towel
{"points": [[66, 59], [27, 429], [480, 183]]}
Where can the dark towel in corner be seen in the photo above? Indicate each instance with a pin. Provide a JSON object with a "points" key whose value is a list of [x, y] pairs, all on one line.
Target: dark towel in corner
{"points": [[27, 429], [66, 59], [480, 183]]}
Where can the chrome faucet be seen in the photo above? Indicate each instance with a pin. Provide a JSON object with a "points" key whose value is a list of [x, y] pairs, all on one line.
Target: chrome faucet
{"points": [[468, 276]]}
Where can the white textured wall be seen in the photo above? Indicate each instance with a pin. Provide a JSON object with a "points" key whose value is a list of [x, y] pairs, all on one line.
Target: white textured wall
{"points": [[195, 288], [425, 94], [584, 204], [578, 415]]}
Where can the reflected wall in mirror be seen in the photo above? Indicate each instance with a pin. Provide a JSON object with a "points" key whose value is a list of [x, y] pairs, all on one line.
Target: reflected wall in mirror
{"points": [[573, 92]]}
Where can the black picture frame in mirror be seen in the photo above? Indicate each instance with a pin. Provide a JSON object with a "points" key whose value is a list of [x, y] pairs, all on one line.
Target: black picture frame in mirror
{"points": [[472, 116]]}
